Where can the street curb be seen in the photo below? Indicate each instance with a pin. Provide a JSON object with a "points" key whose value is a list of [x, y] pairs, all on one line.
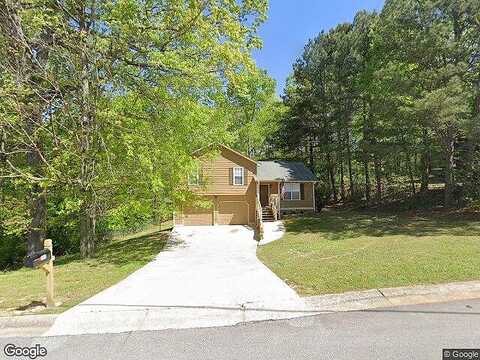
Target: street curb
{"points": [[36, 325], [25, 325], [387, 297]]}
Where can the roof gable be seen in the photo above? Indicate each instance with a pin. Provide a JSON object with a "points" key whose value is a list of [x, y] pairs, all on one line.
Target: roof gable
{"points": [[224, 148]]}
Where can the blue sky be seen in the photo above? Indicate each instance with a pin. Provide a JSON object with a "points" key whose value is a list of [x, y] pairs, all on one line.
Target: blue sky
{"points": [[292, 22]]}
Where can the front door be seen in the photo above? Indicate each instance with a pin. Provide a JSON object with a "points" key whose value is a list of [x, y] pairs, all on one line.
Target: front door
{"points": [[264, 190]]}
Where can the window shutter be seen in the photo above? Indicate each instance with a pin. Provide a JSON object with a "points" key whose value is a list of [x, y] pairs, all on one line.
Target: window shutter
{"points": [[302, 191], [244, 175], [230, 176]]}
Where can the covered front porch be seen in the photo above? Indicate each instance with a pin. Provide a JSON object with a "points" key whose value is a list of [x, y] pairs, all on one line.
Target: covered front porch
{"points": [[283, 186], [277, 197], [269, 195]]}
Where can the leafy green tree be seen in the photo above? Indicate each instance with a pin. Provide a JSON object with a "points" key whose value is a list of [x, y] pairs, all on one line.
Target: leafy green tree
{"points": [[436, 38], [391, 95], [255, 108], [133, 88]]}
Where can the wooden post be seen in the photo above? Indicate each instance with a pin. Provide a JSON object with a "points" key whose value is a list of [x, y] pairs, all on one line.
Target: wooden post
{"points": [[49, 272]]}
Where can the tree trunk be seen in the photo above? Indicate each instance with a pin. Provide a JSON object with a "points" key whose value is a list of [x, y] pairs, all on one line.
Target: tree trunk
{"points": [[340, 163], [156, 213], [310, 155], [38, 198], [449, 145], [367, 181], [342, 180], [3, 160], [38, 214], [331, 172], [366, 140], [378, 178], [12, 29], [351, 188], [87, 171], [410, 173], [477, 101], [425, 163], [87, 232]]}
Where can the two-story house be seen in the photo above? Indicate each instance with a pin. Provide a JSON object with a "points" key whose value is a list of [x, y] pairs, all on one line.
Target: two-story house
{"points": [[242, 191]]}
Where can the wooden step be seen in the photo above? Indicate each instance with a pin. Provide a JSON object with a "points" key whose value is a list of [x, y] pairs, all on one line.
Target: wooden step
{"points": [[267, 214]]}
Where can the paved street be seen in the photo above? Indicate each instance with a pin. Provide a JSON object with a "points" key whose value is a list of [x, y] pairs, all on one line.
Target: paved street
{"points": [[406, 332]]}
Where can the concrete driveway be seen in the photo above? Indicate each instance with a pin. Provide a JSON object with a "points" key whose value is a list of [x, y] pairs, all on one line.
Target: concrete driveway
{"points": [[207, 276]]}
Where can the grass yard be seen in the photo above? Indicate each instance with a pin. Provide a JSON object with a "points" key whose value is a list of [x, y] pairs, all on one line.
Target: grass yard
{"points": [[76, 279], [343, 250]]}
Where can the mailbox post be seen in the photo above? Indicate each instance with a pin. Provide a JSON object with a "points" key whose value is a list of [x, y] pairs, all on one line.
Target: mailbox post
{"points": [[48, 267], [44, 259]]}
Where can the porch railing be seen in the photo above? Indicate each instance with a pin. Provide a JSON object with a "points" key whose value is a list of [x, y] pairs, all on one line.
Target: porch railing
{"points": [[274, 203], [258, 221]]}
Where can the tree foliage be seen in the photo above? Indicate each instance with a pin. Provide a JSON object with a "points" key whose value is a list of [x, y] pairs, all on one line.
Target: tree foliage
{"points": [[103, 102]]}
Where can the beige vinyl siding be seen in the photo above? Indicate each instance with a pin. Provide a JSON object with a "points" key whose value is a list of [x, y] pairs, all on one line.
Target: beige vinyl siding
{"points": [[231, 204], [251, 198], [216, 174], [307, 202]]}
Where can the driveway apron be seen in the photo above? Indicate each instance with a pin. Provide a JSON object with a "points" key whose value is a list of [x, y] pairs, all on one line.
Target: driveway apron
{"points": [[206, 276]]}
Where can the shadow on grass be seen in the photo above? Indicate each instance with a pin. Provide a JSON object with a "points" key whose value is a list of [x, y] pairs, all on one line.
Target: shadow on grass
{"points": [[32, 305], [125, 251], [340, 224]]}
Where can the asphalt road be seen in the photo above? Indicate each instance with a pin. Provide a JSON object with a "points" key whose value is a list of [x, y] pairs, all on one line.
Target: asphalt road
{"points": [[407, 332]]}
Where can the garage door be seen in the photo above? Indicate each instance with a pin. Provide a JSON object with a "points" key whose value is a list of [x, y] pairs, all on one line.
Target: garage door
{"points": [[198, 216], [233, 213]]}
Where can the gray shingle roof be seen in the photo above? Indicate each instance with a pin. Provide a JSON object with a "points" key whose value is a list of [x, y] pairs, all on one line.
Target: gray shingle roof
{"points": [[280, 170]]}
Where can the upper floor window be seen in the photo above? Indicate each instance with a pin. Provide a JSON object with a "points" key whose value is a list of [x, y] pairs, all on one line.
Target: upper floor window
{"points": [[291, 191], [238, 176], [194, 178]]}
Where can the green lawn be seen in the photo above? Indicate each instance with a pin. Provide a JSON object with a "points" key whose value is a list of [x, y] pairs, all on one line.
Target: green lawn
{"points": [[76, 279], [339, 250]]}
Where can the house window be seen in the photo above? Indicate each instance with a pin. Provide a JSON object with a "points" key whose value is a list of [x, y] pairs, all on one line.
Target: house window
{"points": [[194, 178], [291, 191], [238, 174]]}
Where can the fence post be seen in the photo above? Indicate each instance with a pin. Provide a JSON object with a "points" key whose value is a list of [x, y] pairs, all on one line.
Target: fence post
{"points": [[49, 272]]}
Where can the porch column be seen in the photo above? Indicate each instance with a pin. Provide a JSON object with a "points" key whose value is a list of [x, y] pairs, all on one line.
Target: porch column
{"points": [[279, 188]]}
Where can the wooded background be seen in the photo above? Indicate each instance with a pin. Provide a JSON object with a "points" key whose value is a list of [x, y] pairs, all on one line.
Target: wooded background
{"points": [[389, 106]]}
